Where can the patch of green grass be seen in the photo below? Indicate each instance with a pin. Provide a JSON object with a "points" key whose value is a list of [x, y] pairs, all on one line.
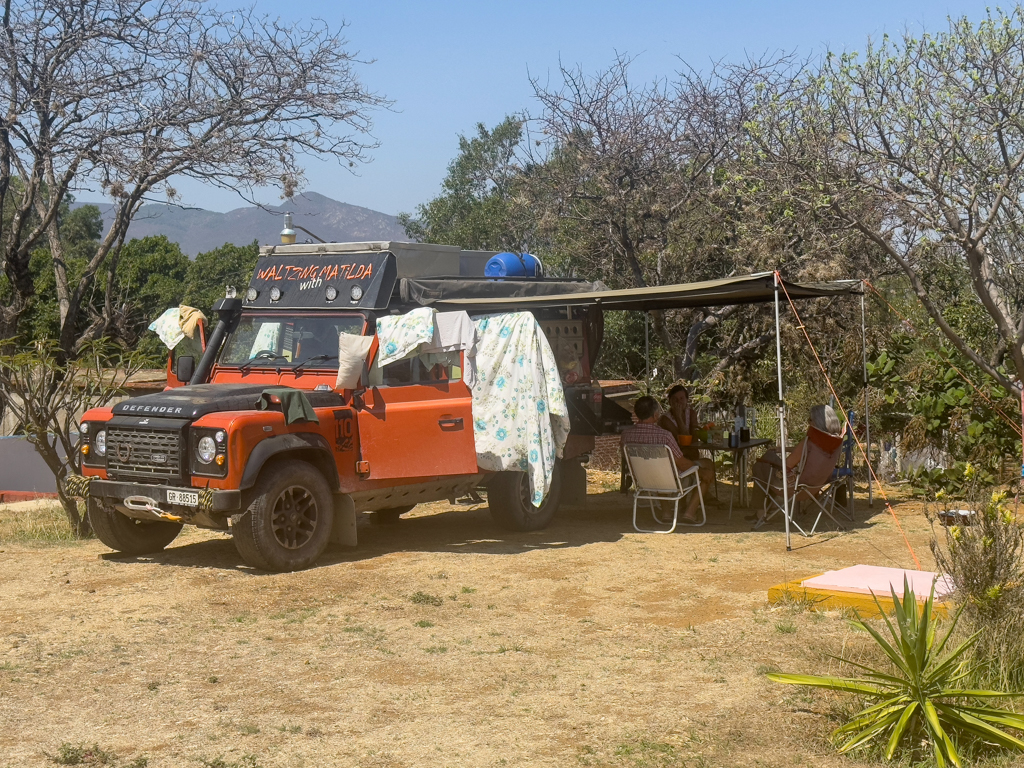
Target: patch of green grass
{"points": [[153, 685], [82, 754], [785, 627], [41, 523], [245, 761], [290, 728], [437, 649], [424, 624], [643, 748], [766, 669], [213, 679], [248, 729], [468, 590], [424, 598], [512, 649]]}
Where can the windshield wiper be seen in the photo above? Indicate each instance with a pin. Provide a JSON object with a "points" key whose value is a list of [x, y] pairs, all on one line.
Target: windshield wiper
{"points": [[297, 368], [264, 355]]}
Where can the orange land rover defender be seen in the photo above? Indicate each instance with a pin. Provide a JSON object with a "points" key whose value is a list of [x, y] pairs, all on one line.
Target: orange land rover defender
{"points": [[231, 450]]}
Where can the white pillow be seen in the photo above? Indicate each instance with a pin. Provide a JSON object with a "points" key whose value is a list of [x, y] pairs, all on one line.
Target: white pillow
{"points": [[352, 352]]}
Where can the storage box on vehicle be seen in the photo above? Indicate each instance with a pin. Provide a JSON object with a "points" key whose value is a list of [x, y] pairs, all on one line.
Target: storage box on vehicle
{"points": [[413, 259]]}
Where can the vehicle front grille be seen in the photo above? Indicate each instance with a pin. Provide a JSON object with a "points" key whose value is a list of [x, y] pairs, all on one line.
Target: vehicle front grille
{"points": [[143, 454]]}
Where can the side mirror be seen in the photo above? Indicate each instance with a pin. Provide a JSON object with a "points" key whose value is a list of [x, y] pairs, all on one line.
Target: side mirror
{"points": [[184, 368]]}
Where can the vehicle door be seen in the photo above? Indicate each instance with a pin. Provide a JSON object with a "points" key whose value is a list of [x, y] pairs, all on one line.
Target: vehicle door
{"points": [[418, 419]]}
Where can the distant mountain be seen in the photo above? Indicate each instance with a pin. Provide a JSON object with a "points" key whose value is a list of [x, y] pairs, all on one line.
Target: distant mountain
{"points": [[197, 230]]}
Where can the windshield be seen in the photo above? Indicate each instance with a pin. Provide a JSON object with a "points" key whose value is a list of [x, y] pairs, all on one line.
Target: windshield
{"points": [[276, 340]]}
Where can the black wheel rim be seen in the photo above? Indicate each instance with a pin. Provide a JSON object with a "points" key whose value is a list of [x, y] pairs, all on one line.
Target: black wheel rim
{"points": [[294, 517]]}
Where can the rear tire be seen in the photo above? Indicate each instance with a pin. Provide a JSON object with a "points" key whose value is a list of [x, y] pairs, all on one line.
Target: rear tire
{"points": [[288, 524], [389, 516], [508, 497], [128, 535]]}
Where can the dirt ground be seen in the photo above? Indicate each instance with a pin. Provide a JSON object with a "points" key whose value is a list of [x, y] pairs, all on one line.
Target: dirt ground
{"points": [[440, 641]]}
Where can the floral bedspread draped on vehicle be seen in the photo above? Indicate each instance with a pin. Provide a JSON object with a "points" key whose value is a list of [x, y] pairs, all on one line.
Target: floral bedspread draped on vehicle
{"points": [[520, 417]]}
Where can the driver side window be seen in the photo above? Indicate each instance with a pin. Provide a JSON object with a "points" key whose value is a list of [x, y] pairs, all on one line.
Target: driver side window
{"points": [[417, 369]]}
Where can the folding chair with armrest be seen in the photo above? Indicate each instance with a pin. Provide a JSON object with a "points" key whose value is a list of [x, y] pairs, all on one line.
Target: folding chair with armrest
{"points": [[655, 479], [812, 480]]}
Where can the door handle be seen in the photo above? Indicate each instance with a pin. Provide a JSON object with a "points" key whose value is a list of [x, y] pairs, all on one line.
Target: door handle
{"points": [[450, 422]]}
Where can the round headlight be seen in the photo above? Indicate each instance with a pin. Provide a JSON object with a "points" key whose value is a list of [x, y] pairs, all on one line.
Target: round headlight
{"points": [[275, 293], [84, 429], [331, 293], [252, 294], [100, 442], [206, 449], [221, 436], [357, 293]]}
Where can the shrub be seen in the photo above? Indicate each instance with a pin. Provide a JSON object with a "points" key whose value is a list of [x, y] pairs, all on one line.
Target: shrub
{"points": [[922, 696], [985, 562]]}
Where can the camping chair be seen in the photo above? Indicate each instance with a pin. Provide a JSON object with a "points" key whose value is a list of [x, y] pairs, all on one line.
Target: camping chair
{"points": [[655, 479], [811, 481]]}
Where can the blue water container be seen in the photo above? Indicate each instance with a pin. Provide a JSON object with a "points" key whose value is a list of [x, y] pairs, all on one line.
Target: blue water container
{"points": [[512, 265]]}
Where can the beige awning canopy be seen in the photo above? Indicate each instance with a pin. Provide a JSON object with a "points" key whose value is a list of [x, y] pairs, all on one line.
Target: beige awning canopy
{"points": [[748, 289]]}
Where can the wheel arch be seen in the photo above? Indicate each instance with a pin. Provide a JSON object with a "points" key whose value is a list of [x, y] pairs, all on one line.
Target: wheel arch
{"points": [[306, 447]]}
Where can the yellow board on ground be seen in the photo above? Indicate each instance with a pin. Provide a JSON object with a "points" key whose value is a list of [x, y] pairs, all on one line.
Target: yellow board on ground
{"points": [[832, 600]]}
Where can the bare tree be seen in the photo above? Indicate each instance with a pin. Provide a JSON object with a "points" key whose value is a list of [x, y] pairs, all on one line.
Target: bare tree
{"points": [[47, 395], [627, 164], [126, 95], [918, 144]]}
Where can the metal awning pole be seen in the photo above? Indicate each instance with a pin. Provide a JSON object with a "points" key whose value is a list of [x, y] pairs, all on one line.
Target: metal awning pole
{"points": [[647, 346], [782, 417], [867, 411]]}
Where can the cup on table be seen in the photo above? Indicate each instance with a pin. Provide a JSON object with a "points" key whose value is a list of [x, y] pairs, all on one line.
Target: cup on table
{"points": [[684, 440]]}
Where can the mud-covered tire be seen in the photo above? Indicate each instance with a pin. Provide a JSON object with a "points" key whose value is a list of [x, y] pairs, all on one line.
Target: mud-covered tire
{"points": [[128, 535], [288, 524], [508, 497], [389, 516]]}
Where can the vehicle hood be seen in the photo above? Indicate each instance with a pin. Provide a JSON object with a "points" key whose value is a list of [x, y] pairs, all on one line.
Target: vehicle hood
{"points": [[192, 402]]}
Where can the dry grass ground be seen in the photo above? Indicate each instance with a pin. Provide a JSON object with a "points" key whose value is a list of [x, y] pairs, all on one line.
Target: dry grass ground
{"points": [[438, 642]]}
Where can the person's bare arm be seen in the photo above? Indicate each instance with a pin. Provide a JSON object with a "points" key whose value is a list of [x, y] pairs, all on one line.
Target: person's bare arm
{"points": [[682, 463], [793, 460]]}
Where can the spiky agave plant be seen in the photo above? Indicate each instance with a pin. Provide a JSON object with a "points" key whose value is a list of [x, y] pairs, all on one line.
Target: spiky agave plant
{"points": [[922, 696]]}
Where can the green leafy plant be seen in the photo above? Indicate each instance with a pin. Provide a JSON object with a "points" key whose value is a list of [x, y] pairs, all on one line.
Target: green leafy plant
{"points": [[921, 697]]}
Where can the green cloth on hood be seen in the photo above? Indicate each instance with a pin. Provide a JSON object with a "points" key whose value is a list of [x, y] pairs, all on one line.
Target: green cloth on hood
{"points": [[294, 404]]}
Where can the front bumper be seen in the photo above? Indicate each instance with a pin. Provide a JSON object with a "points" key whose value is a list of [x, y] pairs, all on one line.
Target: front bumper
{"points": [[209, 500]]}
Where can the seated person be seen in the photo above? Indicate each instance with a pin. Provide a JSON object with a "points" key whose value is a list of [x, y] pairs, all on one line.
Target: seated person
{"points": [[647, 432], [681, 419], [823, 418]]}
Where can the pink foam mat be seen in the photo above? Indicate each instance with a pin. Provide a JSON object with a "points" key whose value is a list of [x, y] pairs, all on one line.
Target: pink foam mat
{"points": [[865, 579]]}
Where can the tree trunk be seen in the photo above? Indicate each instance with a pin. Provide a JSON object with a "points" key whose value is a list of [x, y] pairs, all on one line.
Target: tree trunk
{"points": [[79, 523]]}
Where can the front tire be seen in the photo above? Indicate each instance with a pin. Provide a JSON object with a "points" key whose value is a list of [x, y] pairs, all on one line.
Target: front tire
{"points": [[128, 535], [288, 524], [508, 497]]}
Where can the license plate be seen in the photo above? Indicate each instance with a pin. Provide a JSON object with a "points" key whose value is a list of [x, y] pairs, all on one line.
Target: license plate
{"points": [[188, 498]]}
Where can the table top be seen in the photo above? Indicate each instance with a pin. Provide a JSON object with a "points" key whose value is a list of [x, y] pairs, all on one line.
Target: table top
{"points": [[723, 446]]}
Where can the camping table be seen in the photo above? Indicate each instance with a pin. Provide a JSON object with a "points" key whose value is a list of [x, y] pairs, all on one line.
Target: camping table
{"points": [[740, 460]]}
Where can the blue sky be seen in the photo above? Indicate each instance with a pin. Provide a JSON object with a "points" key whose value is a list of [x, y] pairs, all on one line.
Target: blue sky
{"points": [[450, 65]]}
